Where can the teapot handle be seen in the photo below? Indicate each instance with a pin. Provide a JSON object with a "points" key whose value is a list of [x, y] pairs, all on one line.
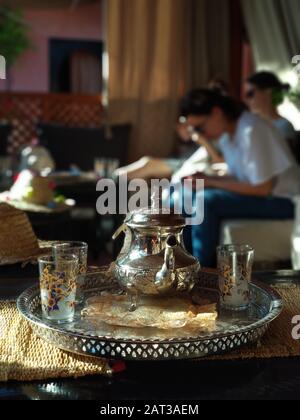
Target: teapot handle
{"points": [[128, 239], [118, 232]]}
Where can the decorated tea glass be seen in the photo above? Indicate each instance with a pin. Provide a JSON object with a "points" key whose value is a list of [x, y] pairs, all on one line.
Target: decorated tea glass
{"points": [[80, 249], [58, 287], [235, 268]]}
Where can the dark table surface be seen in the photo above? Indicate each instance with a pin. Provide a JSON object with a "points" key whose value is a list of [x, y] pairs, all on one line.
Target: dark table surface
{"points": [[184, 380]]}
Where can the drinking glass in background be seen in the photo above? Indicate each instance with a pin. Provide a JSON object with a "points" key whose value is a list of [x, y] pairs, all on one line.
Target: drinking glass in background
{"points": [[80, 249], [235, 268], [5, 168], [58, 287], [112, 166], [100, 167], [105, 167]]}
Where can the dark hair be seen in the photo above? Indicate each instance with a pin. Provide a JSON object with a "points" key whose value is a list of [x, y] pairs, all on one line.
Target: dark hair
{"points": [[218, 84], [267, 80], [202, 102]]}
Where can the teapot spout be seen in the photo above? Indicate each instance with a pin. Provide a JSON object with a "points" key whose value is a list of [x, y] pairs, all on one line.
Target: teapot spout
{"points": [[166, 277]]}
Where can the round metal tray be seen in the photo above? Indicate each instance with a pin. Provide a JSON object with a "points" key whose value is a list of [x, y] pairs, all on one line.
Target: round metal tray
{"points": [[87, 337]]}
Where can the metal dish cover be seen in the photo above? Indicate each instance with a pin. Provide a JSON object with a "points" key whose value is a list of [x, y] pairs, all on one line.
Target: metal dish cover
{"points": [[84, 336]]}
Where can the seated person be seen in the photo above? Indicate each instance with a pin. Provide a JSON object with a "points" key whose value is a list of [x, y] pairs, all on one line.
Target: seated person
{"points": [[264, 177], [148, 167], [265, 93]]}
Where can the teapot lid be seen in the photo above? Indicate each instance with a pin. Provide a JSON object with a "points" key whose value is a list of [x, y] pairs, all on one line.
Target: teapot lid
{"points": [[155, 216], [150, 217]]}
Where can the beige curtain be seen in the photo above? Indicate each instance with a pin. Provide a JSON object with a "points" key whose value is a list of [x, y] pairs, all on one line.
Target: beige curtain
{"points": [[86, 73], [209, 47], [274, 31], [157, 50]]}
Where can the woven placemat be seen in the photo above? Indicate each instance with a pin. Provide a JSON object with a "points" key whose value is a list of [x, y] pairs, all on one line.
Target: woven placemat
{"points": [[25, 357], [278, 341]]}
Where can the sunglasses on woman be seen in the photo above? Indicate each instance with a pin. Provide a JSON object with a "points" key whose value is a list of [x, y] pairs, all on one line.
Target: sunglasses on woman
{"points": [[250, 93]]}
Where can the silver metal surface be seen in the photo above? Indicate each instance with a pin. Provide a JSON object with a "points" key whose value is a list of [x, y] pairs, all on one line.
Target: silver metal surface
{"points": [[154, 260], [282, 278], [86, 336]]}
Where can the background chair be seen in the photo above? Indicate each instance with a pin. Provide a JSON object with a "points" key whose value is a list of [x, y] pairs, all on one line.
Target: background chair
{"points": [[80, 146]]}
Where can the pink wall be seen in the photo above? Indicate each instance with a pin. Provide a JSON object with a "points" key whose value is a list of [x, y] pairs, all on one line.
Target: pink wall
{"points": [[31, 71]]}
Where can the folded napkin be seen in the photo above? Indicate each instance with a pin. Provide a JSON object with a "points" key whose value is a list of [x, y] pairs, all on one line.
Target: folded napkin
{"points": [[163, 313]]}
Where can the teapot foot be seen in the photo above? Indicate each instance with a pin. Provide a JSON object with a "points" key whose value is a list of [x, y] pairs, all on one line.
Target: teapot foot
{"points": [[133, 302]]}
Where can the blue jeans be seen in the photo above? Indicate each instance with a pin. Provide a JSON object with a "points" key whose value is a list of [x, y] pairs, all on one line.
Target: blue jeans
{"points": [[219, 205]]}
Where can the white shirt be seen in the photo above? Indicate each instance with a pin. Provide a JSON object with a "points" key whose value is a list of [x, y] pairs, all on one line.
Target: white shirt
{"points": [[285, 127], [257, 153], [198, 162]]}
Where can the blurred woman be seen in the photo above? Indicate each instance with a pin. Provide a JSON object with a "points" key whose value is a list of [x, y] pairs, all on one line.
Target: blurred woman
{"points": [[201, 151], [265, 92], [263, 175]]}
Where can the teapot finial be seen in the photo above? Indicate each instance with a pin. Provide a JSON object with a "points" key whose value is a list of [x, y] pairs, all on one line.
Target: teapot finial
{"points": [[156, 201]]}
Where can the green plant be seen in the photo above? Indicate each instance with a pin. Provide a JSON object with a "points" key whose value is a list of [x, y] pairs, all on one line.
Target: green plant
{"points": [[14, 39], [294, 96], [278, 96]]}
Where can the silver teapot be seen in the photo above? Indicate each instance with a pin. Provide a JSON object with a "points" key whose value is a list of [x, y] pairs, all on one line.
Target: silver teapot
{"points": [[154, 260]]}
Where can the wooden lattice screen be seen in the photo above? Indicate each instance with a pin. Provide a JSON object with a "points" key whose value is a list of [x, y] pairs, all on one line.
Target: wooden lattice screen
{"points": [[25, 110]]}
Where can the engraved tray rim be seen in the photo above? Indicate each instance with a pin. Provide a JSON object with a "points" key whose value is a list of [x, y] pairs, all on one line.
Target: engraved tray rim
{"points": [[243, 335]]}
